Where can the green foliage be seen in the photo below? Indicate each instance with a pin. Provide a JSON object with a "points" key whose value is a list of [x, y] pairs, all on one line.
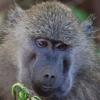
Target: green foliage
{"points": [[21, 92]]}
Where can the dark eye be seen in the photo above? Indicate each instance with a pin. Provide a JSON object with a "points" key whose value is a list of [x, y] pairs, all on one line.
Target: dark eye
{"points": [[41, 43], [62, 46]]}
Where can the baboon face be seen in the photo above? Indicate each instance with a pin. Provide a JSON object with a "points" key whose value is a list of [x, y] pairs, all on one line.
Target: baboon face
{"points": [[49, 65], [52, 52]]}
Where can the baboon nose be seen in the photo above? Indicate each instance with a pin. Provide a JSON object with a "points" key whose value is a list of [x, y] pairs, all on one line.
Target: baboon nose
{"points": [[49, 77]]}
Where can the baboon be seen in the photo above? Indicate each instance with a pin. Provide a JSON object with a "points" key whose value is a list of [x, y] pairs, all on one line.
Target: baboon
{"points": [[46, 49]]}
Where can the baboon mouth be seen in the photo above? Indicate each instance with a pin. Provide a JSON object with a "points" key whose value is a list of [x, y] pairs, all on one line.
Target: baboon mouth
{"points": [[44, 90]]}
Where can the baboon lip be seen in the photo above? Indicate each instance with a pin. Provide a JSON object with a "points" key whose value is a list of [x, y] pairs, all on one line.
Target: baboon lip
{"points": [[47, 88], [44, 91]]}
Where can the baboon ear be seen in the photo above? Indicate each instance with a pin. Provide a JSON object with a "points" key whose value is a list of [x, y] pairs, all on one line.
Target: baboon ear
{"points": [[88, 28], [12, 12]]}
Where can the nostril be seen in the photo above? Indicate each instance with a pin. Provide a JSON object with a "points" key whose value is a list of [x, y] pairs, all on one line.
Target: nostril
{"points": [[46, 76], [52, 76]]}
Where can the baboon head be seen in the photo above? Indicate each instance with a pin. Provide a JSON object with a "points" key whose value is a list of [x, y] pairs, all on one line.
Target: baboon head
{"points": [[51, 49]]}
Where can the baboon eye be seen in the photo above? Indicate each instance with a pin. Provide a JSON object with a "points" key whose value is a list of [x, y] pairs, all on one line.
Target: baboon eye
{"points": [[61, 46], [41, 43]]}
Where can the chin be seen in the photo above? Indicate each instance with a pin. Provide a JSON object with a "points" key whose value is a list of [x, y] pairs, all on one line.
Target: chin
{"points": [[44, 91]]}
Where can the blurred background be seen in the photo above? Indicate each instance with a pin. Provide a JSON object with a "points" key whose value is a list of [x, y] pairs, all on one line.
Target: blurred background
{"points": [[88, 6]]}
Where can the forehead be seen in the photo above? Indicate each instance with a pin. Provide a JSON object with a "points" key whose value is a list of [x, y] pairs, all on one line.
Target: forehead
{"points": [[53, 21]]}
